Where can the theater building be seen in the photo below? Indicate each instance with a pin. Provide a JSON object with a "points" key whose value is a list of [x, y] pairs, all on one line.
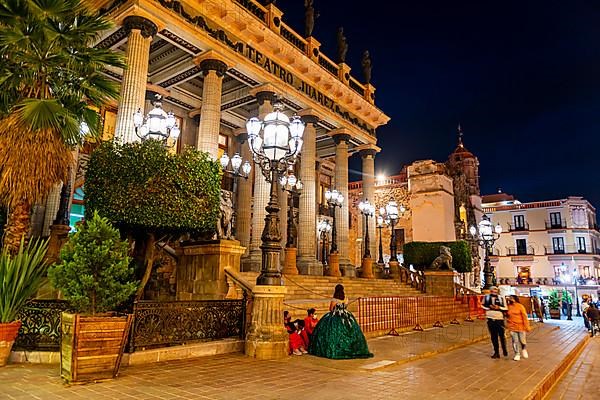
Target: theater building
{"points": [[217, 63]]}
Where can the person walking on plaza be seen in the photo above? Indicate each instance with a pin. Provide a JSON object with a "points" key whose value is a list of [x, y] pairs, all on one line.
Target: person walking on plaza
{"points": [[593, 316], [494, 306], [584, 306], [518, 325], [537, 308], [337, 334]]}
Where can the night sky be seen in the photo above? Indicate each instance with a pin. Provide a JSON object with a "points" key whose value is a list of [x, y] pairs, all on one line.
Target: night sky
{"points": [[521, 77]]}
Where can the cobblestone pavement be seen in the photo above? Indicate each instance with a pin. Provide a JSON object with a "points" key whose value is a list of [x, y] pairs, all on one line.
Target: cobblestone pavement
{"points": [[582, 380], [465, 373]]}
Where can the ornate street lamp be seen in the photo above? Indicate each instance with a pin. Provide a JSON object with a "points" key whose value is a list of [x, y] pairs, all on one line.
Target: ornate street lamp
{"points": [[293, 186], [334, 200], [381, 223], [157, 125], [239, 168], [393, 212], [367, 210], [275, 150], [323, 227], [485, 235]]}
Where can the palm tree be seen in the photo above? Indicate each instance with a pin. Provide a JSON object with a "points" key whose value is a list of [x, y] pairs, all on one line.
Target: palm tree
{"points": [[51, 82]]}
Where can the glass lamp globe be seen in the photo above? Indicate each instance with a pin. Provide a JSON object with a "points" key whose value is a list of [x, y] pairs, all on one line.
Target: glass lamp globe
{"points": [[296, 128], [174, 134], [292, 180], [473, 231], [379, 220], [224, 160], [486, 229], [328, 195], [84, 129], [236, 162], [299, 185], [498, 229], [340, 198], [283, 180], [246, 168], [391, 209], [253, 128], [138, 118]]}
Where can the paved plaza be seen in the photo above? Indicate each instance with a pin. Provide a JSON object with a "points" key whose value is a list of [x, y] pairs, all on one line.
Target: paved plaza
{"points": [[454, 364]]}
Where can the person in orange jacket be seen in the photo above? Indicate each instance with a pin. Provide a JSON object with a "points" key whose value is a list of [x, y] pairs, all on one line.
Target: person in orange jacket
{"points": [[518, 325]]}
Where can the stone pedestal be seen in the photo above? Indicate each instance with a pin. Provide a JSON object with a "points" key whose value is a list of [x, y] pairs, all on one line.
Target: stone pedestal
{"points": [[394, 269], [200, 270], [334, 265], [290, 261], [59, 234], [267, 338], [440, 283], [367, 268]]}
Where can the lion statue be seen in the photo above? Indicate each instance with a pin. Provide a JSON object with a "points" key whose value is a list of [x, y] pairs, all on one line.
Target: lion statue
{"points": [[444, 260], [224, 225]]}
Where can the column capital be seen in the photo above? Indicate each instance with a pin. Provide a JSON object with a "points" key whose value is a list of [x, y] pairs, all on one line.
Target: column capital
{"points": [[340, 135], [212, 61], [264, 92], [368, 149], [241, 135], [144, 25], [309, 116]]}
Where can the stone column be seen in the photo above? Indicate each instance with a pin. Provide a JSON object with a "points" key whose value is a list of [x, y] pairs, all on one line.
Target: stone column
{"points": [[135, 76], [267, 338], [207, 139], [261, 195], [368, 185], [244, 194], [307, 210], [341, 138]]}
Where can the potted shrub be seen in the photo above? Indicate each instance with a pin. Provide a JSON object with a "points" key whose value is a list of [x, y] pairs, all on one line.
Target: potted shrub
{"points": [[20, 277], [554, 304], [95, 276]]}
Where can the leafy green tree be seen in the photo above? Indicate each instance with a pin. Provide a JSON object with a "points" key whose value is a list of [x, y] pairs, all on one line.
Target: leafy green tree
{"points": [[149, 193], [50, 82], [94, 273]]}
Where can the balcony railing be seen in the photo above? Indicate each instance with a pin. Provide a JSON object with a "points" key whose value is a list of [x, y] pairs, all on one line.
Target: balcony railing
{"points": [[570, 250], [518, 227], [520, 251], [556, 224]]}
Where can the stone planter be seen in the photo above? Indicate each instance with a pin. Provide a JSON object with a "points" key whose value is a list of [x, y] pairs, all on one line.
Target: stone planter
{"points": [[555, 313], [8, 334], [92, 347]]}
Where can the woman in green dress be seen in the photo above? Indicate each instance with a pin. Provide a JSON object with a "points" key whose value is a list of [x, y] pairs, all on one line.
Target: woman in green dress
{"points": [[338, 335]]}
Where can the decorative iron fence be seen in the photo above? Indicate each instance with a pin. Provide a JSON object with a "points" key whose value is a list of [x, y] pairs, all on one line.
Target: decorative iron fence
{"points": [[40, 325], [161, 324]]}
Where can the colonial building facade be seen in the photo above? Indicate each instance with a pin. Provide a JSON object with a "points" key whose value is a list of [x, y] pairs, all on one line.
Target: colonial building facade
{"points": [[217, 63], [552, 242]]}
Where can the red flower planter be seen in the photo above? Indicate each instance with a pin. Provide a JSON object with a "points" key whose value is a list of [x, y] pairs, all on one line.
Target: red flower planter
{"points": [[8, 334]]}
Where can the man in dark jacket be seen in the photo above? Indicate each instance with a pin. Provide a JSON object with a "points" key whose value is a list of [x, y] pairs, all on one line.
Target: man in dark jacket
{"points": [[494, 306]]}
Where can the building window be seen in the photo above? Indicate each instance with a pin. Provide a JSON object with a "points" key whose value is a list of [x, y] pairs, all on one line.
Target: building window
{"points": [[519, 221], [555, 220], [521, 247], [585, 272], [581, 245], [558, 245]]}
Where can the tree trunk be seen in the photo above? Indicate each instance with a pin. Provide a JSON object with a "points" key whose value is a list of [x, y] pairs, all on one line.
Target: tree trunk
{"points": [[17, 226], [149, 263]]}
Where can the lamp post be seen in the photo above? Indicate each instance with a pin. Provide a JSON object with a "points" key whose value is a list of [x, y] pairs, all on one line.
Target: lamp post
{"points": [[157, 125], [323, 227], [291, 185], [239, 168], [334, 200], [367, 210], [392, 211], [381, 223], [485, 235], [274, 151], [576, 276]]}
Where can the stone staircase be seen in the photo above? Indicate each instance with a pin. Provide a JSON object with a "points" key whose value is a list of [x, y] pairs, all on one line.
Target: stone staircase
{"points": [[306, 291]]}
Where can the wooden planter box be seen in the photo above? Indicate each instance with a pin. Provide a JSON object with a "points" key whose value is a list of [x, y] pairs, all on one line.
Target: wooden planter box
{"points": [[92, 347], [555, 313]]}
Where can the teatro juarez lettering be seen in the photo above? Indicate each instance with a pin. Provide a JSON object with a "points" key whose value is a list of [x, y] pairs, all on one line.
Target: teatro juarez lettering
{"points": [[268, 65]]}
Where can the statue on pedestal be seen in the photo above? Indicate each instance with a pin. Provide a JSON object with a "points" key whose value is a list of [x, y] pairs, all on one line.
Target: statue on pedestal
{"points": [[310, 15], [224, 225], [444, 260], [342, 45], [366, 65]]}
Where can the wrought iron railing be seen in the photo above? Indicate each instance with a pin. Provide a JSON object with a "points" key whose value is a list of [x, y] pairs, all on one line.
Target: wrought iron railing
{"points": [[416, 279], [40, 325], [520, 251], [556, 224], [518, 227], [162, 324], [569, 250]]}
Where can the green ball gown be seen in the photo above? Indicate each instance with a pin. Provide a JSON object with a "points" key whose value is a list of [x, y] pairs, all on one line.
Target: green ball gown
{"points": [[338, 336]]}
